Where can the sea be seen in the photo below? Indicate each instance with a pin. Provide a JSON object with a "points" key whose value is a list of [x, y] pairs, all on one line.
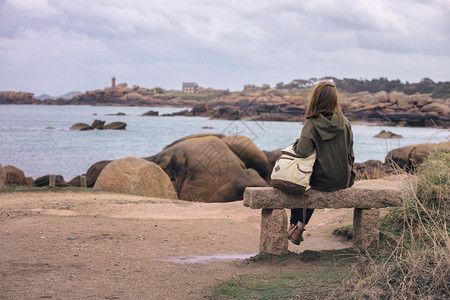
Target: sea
{"points": [[37, 139]]}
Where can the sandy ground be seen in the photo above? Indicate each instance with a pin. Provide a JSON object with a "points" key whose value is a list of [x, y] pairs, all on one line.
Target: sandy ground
{"points": [[100, 245]]}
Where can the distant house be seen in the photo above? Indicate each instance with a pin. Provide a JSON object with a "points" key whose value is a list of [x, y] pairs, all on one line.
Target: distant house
{"points": [[249, 87], [190, 87]]}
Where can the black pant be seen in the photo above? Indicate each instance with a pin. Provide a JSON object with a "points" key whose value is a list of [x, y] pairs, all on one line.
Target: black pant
{"points": [[297, 215]]}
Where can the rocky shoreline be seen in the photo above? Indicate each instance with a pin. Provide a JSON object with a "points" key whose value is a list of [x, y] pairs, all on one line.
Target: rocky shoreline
{"points": [[207, 168], [263, 104]]}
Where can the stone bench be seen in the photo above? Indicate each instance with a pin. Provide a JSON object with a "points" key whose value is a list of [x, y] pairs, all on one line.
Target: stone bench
{"points": [[366, 197]]}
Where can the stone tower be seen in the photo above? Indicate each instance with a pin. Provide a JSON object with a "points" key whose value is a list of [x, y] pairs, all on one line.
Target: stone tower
{"points": [[113, 84]]}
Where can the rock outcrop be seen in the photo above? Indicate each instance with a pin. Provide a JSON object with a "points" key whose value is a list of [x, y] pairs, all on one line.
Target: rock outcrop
{"points": [[14, 176], [99, 124], [137, 176], [94, 171], [76, 181], [119, 114], [10, 97], [409, 157], [81, 127], [388, 135], [45, 180], [393, 108], [151, 113], [115, 126]]}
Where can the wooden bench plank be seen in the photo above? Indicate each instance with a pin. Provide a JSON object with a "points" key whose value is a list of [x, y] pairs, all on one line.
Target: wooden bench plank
{"points": [[364, 194]]}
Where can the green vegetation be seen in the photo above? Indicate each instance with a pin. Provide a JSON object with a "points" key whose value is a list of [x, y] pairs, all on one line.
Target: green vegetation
{"points": [[41, 189], [425, 86], [318, 274], [414, 258], [204, 97], [306, 284], [23, 189], [412, 262]]}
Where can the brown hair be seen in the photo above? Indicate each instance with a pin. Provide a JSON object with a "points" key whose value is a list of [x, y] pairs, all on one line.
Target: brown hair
{"points": [[324, 99]]}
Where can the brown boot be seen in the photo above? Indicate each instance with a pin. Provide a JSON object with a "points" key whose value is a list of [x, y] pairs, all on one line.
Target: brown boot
{"points": [[295, 233]]}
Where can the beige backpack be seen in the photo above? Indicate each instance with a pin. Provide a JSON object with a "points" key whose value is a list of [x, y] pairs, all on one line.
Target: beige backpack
{"points": [[291, 173]]}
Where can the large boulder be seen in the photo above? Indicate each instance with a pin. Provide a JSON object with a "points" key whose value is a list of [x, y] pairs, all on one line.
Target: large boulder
{"points": [[98, 124], [14, 176], [76, 181], [199, 109], [137, 176], [381, 96], [234, 189], [388, 135], [115, 126], [151, 113], [45, 180], [249, 153], [95, 170], [436, 107], [133, 96], [272, 157], [2, 177], [193, 136], [81, 127], [405, 102], [199, 167], [29, 181], [409, 157]]}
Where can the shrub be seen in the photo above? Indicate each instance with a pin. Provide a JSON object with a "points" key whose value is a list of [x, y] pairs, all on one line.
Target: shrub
{"points": [[414, 258]]}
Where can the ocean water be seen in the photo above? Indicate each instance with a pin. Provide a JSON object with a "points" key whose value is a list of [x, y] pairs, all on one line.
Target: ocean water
{"points": [[27, 144]]}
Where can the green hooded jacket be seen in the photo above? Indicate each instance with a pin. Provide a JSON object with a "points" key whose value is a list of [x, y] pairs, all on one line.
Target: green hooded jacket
{"points": [[332, 138]]}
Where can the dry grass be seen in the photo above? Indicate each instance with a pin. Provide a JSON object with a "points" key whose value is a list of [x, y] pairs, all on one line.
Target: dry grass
{"points": [[375, 169], [414, 259]]}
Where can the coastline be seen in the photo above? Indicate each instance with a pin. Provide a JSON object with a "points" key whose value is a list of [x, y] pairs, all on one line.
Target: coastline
{"points": [[263, 104], [189, 113]]}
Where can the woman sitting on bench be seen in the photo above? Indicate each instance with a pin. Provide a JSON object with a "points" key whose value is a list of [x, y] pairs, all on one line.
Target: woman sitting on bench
{"points": [[329, 133]]}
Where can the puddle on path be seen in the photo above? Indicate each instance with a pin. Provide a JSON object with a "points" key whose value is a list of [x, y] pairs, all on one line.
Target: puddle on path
{"points": [[204, 259]]}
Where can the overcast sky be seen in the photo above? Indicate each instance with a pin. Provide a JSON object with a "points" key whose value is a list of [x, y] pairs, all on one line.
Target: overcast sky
{"points": [[57, 46]]}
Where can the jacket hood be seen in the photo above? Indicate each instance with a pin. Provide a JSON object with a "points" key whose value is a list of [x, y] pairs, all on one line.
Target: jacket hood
{"points": [[328, 129]]}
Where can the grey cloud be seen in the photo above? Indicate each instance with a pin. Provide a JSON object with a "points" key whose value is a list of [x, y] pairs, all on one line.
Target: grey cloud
{"points": [[83, 43]]}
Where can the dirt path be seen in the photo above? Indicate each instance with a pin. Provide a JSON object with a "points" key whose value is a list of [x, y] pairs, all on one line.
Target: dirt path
{"points": [[99, 245]]}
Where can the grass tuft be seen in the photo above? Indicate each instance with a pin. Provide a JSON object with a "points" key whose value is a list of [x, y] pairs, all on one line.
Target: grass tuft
{"points": [[414, 259], [317, 274]]}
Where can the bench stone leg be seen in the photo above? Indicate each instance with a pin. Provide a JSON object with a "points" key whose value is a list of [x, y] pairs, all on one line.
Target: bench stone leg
{"points": [[274, 237], [365, 227]]}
